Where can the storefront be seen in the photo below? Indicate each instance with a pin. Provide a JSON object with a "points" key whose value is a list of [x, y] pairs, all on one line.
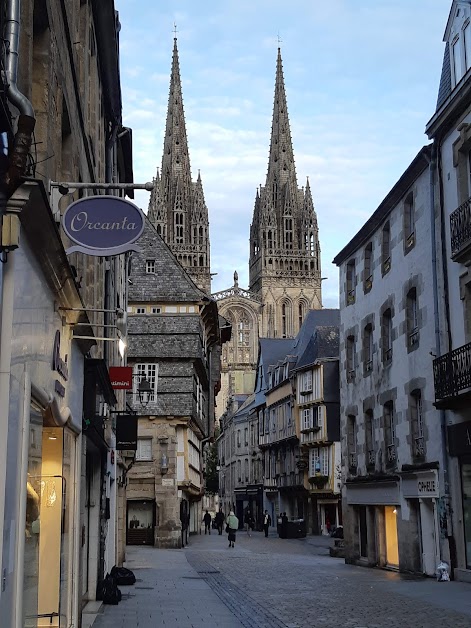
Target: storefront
{"points": [[140, 522], [422, 489], [374, 509], [459, 444]]}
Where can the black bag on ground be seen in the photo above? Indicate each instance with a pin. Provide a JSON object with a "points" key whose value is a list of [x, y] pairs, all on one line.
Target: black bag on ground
{"points": [[123, 576], [107, 590]]}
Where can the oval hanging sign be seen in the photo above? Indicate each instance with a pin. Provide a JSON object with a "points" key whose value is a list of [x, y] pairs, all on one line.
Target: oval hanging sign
{"points": [[103, 225]]}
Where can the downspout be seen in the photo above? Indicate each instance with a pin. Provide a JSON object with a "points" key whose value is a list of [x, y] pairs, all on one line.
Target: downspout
{"points": [[433, 171], [26, 120]]}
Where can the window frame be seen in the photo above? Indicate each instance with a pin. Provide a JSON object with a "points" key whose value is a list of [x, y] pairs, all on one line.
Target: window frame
{"points": [[139, 456], [386, 248]]}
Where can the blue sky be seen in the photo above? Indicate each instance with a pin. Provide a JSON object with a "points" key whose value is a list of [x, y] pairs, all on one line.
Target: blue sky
{"points": [[361, 79]]}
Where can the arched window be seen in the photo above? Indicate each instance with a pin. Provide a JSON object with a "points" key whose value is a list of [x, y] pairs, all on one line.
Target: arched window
{"points": [[286, 316], [179, 224]]}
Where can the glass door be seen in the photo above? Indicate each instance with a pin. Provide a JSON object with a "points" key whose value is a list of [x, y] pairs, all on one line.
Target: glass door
{"points": [[466, 488]]}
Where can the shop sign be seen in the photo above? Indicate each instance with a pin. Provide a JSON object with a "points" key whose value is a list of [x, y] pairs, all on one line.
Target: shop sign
{"points": [[421, 485], [103, 225], [58, 364], [121, 377], [459, 439], [126, 432]]}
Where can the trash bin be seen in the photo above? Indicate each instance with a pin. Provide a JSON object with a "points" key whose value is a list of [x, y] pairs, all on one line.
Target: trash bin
{"points": [[296, 529]]}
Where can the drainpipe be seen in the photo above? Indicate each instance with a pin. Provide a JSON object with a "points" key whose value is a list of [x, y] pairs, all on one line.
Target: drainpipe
{"points": [[26, 120], [15, 167], [433, 172]]}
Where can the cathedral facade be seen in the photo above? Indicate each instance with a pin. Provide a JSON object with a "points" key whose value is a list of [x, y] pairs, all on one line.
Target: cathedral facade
{"points": [[284, 264]]}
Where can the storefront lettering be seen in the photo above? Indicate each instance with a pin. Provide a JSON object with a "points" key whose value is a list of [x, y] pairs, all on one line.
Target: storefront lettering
{"points": [[81, 221], [426, 486], [58, 364]]}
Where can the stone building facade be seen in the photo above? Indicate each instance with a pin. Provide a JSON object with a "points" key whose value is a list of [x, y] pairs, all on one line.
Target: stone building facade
{"points": [[450, 130], [57, 501], [175, 344], [394, 496]]}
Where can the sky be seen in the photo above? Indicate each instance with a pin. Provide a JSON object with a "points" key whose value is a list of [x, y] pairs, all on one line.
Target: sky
{"points": [[361, 80]]}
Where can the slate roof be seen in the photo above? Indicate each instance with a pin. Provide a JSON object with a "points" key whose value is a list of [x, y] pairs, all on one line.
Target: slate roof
{"points": [[324, 344], [445, 80], [170, 282]]}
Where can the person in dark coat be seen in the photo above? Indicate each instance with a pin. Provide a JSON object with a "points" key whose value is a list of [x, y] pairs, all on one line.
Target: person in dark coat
{"points": [[219, 518], [266, 522], [249, 522], [207, 523], [284, 526]]}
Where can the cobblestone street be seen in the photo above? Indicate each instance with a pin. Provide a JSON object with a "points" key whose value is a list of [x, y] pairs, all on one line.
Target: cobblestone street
{"points": [[264, 583]]}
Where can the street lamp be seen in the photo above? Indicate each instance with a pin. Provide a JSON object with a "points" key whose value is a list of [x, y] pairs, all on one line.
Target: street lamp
{"points": [[144, 390]]}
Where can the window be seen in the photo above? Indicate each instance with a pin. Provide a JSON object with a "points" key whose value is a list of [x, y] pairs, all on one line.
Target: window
{"points": [[150, 373], [368, 270], [319, 461], [150, 266], [350, 358], [386, 249], [351, 282], [352, 442], [171, 309], [457, 61], [417, 424], [306, 382], [140, 310], [179, 226], [285, 319], [412, 318], [368, 349], [370, 439], [238, 438], [386, 336], [239, 472], [389, 433], [289, 233], [467, 45], [144, 449], [156, 310], [409, 222], [246, 436]]}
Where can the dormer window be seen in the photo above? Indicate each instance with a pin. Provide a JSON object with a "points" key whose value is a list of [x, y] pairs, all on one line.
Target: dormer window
{"points": [[461, 53]]}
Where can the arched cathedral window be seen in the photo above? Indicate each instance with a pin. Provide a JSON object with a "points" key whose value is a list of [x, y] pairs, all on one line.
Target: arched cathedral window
{"points": [[286, 319], [289, 233], [179, 224]]}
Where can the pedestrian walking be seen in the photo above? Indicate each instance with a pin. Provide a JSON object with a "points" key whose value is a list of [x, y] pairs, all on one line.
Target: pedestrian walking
{"points": [[249, 522], [219, 518], [207, 523], [266, 522], [232, 525], [284, 526]]}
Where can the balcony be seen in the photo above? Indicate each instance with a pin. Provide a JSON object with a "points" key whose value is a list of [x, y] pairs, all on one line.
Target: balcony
{"points": [[452, 378], [370, 459], [391, 456], [460, 232], [352, 462], [419, 447]]}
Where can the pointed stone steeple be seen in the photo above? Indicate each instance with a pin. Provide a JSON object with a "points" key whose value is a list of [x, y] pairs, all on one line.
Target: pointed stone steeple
{"points": [[284, 248], [177, 207], [281, 168]]}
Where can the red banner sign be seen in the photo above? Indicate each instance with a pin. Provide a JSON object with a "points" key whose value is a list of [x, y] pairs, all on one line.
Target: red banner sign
{"points": [[121, 377]]}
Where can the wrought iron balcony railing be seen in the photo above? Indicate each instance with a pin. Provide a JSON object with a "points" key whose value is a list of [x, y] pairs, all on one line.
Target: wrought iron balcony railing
{"points": [[371, 459], [391, 455], [419, 447], [452, 372], [460, 231]]}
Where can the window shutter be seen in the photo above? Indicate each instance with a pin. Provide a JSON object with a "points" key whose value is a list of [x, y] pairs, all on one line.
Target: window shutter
{"points": [[321, 416]]}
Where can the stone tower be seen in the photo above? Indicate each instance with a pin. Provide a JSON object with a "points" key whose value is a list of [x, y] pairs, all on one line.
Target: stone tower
{"points": [[177, 208], [285, 264]]}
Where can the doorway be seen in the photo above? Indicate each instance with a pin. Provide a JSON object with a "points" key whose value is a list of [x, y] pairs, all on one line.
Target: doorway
{"points": [[427, 535], [390, 528]]}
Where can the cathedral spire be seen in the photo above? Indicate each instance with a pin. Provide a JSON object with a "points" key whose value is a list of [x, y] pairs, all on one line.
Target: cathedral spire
{"points": [[177, 208], [175, 160], [281, 167]]}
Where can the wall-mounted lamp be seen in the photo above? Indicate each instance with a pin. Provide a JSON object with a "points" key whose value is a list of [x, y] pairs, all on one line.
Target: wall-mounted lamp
{"points": [[144, 390], [163, 464]]}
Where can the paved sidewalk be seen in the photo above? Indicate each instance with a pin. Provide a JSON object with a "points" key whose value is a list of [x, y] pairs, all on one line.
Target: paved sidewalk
{"points": [[168, 592]]}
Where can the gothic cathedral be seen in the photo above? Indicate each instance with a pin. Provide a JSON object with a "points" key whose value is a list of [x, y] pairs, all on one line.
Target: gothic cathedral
{"points": [[177, 208], [284, 266]]}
